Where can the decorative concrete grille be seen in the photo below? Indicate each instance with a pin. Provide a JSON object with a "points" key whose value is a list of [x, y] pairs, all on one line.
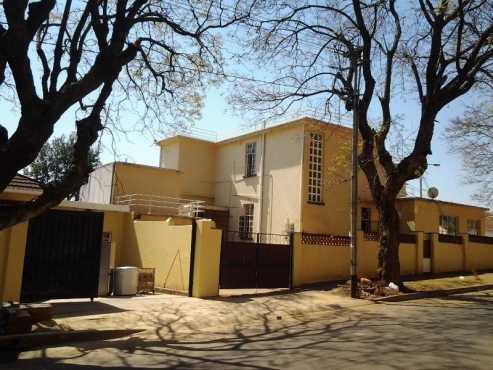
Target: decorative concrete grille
{"points": [[315, 170], [371, 236], [323, 239]]}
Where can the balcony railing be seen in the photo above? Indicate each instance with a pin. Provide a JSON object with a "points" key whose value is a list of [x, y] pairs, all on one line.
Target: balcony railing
{"points": [[259, 238], [160, 205]]}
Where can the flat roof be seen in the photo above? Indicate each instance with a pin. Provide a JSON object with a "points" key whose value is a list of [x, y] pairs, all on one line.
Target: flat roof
{"points": [[297, 121], [441, 201], [175, 137], [301, 120], [94, 206], [136, 165]]}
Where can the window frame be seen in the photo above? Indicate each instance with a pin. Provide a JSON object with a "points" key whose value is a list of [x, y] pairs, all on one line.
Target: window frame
{"points": [[250, 159], [444, 227], [316, 168], [477, 226], [366, 222], [245, 222]]}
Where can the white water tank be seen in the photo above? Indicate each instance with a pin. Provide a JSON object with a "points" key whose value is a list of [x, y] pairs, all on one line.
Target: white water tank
{"points": [[126, 280]]}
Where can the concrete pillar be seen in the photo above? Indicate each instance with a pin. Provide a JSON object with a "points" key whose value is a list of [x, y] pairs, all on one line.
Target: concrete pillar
{"points": [[418, 266], [14, 263], [466, 265], [207, 260], [297, 260], [435, 268]]}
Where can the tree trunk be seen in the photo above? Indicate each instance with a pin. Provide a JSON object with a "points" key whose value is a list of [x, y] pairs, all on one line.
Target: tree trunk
{"points": [[388, 255]]}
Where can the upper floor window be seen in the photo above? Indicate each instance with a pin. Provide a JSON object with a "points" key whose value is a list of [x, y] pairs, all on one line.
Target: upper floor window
{"points": [[315, 168], [250, 159], [366, 220], [448, 225], [245, 226], [474, 227]]}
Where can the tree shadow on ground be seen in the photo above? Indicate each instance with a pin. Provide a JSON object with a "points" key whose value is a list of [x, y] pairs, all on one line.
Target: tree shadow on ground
{"points": [[77, 308], [438, 334]]}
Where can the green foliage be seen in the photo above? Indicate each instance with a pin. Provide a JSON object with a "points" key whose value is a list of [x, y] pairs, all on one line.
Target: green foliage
{"points": [[55, 159]]}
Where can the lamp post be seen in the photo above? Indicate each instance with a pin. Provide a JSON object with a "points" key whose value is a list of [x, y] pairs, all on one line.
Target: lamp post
{"points": [[355, 64], [421, 179]]}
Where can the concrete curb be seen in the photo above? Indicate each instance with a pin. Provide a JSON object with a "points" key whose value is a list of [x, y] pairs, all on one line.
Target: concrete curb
{"points": [[432, 294], [23, 342]]}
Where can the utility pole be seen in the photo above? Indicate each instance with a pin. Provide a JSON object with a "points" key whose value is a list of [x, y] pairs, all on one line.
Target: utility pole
{"points": [[355, 57], [421, 179]]}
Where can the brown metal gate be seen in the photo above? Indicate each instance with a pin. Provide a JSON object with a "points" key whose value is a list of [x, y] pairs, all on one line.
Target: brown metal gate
{"points": [[62, 258], [256, 261]]}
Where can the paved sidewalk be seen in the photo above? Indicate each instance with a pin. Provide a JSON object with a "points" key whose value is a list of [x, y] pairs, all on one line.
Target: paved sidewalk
{"points": [[178, 313]]}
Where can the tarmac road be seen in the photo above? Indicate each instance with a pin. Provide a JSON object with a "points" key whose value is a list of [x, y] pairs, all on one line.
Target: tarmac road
{"points": [[454, 332]]}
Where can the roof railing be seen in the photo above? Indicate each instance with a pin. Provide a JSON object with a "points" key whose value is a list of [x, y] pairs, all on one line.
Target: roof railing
{"points": [[161, 205]]}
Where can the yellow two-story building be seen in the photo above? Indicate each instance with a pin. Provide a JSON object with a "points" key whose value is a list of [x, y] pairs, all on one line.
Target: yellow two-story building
{"points": [[291, 177]]}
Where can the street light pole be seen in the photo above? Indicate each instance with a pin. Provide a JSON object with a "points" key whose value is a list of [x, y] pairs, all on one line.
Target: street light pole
{"points": [[354, 177], [421, 179]]}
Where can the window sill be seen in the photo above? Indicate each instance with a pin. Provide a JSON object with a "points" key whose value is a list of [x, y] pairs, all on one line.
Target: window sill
{"points": [[249, 176], [316, 203]]}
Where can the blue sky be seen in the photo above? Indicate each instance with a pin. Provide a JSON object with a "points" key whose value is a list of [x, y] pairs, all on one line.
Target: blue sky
{"points": [[218, 117]]}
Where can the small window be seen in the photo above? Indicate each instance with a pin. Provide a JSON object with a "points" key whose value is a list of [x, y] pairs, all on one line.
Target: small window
{"points": [[366, 220], [315, 169], [250, 159], [474, 227], [246, 223], [448, 225]]}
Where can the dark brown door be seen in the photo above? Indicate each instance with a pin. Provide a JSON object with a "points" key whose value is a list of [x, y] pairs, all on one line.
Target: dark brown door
{"points": [[255, 265], [62, 258]]}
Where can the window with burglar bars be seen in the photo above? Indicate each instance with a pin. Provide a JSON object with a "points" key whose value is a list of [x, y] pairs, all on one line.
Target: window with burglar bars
{"points": [[315, 168], [474, 227], [246, 223], [448, 225], [250, 159]]}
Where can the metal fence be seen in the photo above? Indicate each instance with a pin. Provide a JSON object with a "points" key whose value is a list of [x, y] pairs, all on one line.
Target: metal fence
{"points": [[481, 239], [452, 239], [263, 238], [159, 205]]}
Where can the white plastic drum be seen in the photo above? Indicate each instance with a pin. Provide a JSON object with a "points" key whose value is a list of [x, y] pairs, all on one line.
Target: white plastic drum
{"points": [[126, 280]]}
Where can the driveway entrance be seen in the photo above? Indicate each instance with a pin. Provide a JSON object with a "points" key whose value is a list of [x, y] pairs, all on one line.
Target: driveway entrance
{"points": [[256, 261], [63, 253]]}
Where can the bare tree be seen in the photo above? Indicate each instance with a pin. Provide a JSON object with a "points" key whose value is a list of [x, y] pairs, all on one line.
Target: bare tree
{"points": [[158, 53], [472, 137], [431, 51]]}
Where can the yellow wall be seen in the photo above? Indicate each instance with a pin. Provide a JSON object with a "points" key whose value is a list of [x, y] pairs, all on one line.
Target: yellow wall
{"points": [[319, 263], [135, 179], [407, 258], [159, 245], [207, 259], [197, 162], [447, 257], [426, 214], [367, 257], [116, 223], [13, 248], [4, 250], [333, 215], [479, 256], [281, 180]]}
